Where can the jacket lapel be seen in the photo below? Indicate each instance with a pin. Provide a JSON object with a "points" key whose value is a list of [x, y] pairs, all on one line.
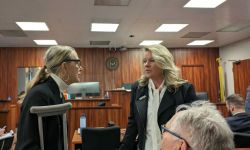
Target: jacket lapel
{"points": [[141, 103], [168, 100]]}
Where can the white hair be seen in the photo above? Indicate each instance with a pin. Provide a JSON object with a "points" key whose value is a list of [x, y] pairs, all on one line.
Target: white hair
{"points": [[203, 127]]}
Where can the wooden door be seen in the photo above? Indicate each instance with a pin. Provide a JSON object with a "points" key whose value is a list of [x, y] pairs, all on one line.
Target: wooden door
{"points": [[241, 72]]}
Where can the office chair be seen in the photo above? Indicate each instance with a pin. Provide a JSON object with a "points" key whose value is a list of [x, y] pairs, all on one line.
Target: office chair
{"points": [[101, 138], [202, 95], [241, 140], [52, 110], [6, 143]]}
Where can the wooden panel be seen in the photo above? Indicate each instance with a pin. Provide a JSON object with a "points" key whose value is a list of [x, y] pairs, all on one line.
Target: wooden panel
{"points": [[4, 111], [200, 57], [195, 75], [4, 74], [241, 76], [134, 63], [11, 115], [121, 98], [3, 118], [125, 66], [223, 109]]}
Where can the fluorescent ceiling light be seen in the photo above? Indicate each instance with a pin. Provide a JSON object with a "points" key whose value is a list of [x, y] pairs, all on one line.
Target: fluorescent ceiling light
{"points": [[45, 42], [33, 26], [104, 27], [150, 42], [170, 27], [204, 3], [200, 42]]}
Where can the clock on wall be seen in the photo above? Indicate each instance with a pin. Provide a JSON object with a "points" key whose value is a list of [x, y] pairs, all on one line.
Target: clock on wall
{"points": [[112, 63]]}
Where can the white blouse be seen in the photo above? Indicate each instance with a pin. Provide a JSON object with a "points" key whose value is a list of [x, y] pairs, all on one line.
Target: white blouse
{"points": [[153, 133]]}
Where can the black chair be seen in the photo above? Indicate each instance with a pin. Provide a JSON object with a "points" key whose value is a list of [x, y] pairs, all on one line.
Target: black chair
{"points": [[101, 138], [241, 140], [202, 95], [6, 143]]}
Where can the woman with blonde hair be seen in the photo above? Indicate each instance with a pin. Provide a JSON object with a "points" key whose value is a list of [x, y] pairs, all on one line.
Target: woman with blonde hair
{"points": [[154, 99], [62, 67]]}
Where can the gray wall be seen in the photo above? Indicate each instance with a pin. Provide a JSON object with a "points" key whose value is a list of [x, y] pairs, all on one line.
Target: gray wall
{"points": [[235, 51]]}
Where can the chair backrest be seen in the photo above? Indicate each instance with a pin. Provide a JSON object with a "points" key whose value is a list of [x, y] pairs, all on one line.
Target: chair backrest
{"points": [[6, 143], [202, 95], [101, 138], [241, 140]]}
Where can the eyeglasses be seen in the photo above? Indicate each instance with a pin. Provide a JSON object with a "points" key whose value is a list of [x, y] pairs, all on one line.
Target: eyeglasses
{"points": [[164, 129], [77, 61]]}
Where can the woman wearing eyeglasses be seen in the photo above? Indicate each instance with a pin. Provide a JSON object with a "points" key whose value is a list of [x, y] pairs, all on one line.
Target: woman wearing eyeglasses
{"points": [[154, 99], [61, 68]]}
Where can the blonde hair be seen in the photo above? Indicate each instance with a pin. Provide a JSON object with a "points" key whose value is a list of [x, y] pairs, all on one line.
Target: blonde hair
{"points": [[165, 61], [53, 58]]}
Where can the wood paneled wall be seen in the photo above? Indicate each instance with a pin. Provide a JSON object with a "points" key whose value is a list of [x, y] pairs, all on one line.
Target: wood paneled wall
{"points": [[199, 66], [241, 72], [129, 70], [95, 69]]}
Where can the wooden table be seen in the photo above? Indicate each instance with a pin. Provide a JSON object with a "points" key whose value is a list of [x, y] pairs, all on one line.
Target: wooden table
{"points": [[78, 140]]}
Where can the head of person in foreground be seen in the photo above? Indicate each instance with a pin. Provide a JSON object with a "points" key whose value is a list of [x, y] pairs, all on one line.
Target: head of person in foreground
{"points": [[198, 127]]}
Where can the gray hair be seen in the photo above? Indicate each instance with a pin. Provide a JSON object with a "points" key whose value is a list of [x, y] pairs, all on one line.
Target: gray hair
{"points": [[197, 103], [203, 127], [165, 61], [236, 100]]}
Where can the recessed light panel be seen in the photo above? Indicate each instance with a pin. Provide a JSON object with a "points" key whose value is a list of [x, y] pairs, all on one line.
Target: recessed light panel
{"points": [[203, 3], [33, 26], [150, 42], [104, 27], [200, 42], [45, 42], [170, 27]]}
